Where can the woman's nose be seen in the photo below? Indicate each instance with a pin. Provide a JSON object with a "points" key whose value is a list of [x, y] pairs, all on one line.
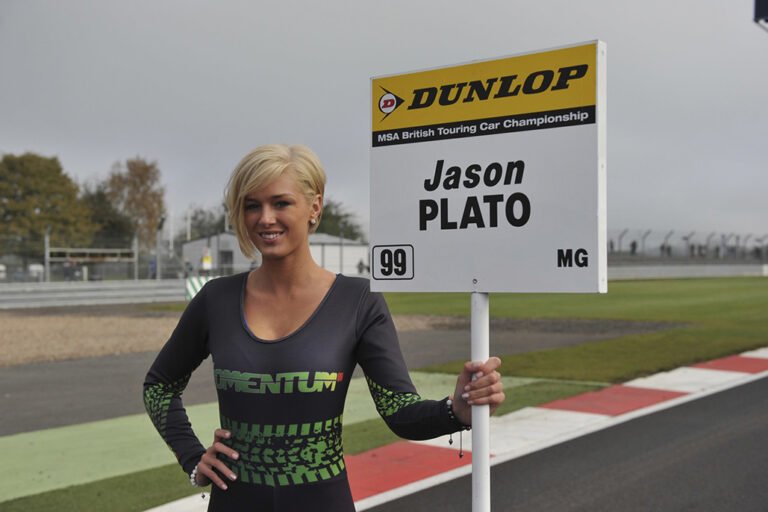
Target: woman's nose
{"points": [[267, 215]]}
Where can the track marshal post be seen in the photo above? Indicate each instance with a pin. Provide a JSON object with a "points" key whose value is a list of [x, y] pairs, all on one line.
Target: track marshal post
{"points": [[490, 177]]}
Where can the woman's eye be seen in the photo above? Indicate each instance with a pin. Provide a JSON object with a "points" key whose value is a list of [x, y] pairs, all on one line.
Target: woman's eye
{"points": [[282, 204], [251, 206]]}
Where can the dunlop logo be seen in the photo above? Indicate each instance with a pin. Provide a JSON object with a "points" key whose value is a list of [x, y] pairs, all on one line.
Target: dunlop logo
{"points": [[496, 88]]}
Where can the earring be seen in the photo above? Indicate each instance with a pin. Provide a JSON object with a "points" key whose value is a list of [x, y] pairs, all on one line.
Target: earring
{"points": [[313, 221]]}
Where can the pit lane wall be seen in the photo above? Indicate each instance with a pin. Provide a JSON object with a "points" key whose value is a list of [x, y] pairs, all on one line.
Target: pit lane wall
{"points": [[669, 271]]}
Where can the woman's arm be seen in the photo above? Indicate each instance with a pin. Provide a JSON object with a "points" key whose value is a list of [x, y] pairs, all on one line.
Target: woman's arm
{"points": [[406, 413], [168, 377]]}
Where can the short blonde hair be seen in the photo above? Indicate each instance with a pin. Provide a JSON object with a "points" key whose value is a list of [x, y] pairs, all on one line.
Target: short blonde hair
{"points": [[259, 168]]}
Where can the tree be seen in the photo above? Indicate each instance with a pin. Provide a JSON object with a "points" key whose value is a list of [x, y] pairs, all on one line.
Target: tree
{"points": [[36, 197], [338, 222], [112, 228], [136, 192], [206, 222]]}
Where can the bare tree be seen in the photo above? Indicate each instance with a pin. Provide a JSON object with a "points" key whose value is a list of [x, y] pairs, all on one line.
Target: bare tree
{"points": [[135, 189]]}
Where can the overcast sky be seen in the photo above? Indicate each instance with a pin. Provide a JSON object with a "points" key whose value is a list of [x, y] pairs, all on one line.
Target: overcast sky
{"points": [[195, 85]]}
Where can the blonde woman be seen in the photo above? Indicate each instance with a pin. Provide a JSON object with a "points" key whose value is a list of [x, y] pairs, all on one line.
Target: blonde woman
{"points": [[285, 339]]}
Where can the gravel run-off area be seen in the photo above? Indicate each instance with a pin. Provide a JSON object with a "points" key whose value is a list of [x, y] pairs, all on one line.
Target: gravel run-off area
{"points": [[55, 334]]}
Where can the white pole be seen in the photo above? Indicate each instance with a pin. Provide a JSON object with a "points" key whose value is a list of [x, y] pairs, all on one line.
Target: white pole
{"points": [[47, 246], [135, 247], [158, 242], [170, 231], [481, 446]]}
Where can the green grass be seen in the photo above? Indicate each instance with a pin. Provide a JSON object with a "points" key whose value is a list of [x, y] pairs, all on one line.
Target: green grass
{"points": [[367, 435], [715, 318], [130, 493], [164, 307], [657, 300]]}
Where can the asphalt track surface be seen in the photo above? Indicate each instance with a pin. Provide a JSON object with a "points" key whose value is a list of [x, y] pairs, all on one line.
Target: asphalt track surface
{"points": [[45, 395], [708, 455]]}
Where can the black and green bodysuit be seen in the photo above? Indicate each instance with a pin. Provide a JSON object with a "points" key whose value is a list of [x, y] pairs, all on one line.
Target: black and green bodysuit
{"points": [[283, 400]]}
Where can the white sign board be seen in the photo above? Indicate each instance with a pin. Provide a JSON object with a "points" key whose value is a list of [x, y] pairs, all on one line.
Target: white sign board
{"points": [[490, 176]]}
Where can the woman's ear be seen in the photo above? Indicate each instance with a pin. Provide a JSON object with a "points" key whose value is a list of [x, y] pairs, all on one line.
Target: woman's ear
{"points": [[317, 205]]}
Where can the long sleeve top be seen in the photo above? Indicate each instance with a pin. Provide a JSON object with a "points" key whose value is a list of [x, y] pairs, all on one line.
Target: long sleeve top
{"points": [[283, 399]]}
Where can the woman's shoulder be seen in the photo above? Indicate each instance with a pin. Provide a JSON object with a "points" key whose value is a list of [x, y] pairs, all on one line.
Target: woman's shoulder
{"points": [[358, 291], [355, 285]]}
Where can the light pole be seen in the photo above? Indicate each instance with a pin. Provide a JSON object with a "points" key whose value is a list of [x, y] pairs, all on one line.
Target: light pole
{"points": [[621, 235], [189, 223], [724, 239], [688, 239], [158, 246], [642, 241], [709, 237], [765, 246], [47, 261], [666, 239], [135, 246], [759, 242]]}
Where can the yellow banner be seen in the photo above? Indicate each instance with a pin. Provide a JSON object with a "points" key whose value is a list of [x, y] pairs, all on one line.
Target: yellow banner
{"points": [[538, 82]]}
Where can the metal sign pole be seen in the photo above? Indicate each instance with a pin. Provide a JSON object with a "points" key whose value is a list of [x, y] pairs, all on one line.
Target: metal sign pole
{"points": [[481, 446], [47, 243]]}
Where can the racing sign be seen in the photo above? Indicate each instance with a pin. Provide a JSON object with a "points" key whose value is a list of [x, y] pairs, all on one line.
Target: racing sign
{"points": [[490, 176]]}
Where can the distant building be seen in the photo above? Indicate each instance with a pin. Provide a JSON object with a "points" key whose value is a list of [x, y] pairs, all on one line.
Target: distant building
{"points": [[330, 252], [339, 254]]}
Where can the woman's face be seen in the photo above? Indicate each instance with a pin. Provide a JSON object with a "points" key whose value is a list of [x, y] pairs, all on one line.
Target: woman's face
{"points": [[277, 217]]}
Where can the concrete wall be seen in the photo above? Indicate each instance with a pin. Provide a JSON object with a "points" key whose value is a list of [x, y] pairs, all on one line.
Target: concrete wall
{"points": [[625, 272]]}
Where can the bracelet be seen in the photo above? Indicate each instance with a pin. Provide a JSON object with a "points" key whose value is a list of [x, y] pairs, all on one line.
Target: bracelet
{"points": [[452, 416], [193, 477]]}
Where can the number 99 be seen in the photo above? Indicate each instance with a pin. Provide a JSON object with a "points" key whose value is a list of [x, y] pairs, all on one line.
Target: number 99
{"points": [[393, 262]]}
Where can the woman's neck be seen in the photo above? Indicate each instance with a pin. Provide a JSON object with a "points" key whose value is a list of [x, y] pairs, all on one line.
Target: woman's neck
{"points": [[286, 274]]}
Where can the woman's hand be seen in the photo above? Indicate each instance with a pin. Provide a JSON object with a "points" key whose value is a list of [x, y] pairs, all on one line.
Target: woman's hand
{"points": [[485, 389], [210, 468]]}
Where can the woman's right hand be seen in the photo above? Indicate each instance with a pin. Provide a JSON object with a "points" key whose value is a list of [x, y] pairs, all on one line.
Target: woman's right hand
{"points": [[211, 468]]}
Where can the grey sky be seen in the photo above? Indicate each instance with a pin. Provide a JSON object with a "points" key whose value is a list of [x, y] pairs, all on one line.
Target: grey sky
{"points": [[195, 85]]}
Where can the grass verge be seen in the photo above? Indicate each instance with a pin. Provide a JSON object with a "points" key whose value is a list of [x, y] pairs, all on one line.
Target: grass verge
{"points": [[128, 493], [720, 316]]}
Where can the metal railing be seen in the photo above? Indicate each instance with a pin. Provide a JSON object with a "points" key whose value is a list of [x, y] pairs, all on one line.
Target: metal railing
{"points": [[37, 295]]}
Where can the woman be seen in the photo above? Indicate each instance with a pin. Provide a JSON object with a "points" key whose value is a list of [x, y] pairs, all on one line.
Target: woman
{"points": [[285, 339]]}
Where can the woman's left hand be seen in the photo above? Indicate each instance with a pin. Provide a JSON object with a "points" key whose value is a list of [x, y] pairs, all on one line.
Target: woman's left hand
{"points": [[485, 389]]}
